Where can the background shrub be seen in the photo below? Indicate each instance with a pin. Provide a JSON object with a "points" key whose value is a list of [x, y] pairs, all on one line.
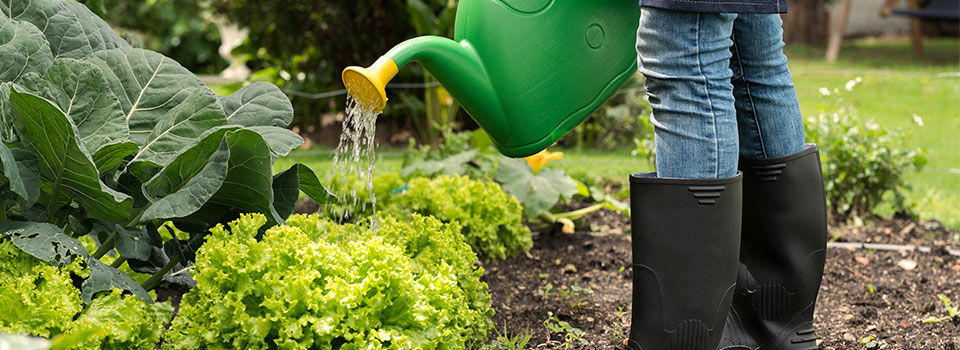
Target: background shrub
{"points": [[319, 284], [183, 30], [615, 124], [862, 163], [306, 44]]}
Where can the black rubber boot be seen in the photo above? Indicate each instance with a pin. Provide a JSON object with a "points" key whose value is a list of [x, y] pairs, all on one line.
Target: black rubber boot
{"points": [[686, 238], [782, 253]]}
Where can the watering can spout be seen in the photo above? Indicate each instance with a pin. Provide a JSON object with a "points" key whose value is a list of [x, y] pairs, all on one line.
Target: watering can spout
{"points": [[455, 64], [368, 85]]}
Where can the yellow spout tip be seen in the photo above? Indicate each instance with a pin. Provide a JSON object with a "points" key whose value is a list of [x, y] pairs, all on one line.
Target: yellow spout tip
{"points": [[360, 84], [368, 85]]}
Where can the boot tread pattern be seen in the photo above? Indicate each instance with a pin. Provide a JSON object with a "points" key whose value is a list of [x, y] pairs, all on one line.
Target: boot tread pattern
{"points": [[691, 334], [804, 335], [770, 301]]}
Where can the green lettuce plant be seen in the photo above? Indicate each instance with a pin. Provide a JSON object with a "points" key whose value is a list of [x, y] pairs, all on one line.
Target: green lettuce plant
{"points": [[39, 299], [314, 283], [105, 140], [492, 220]]}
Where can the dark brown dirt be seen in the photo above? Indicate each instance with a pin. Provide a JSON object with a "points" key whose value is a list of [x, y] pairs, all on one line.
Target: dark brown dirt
{"points": [[554, 276]]}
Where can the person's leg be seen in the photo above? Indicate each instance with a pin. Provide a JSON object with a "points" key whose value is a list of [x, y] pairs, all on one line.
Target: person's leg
{"points": [[686, 217], [768, 113], [783, 236], [685, 58]]}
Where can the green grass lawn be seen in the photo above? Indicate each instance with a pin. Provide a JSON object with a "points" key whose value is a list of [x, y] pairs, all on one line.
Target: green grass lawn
{"points": [[894, 87]]}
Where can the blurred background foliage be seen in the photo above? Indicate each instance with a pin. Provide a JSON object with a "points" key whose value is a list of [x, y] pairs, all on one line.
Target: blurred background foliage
{"points": [[306, 44], [183, 30]]}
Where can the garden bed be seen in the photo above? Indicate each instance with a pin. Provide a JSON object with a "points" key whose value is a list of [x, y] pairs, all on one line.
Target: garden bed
{"points": [[560, 269]]}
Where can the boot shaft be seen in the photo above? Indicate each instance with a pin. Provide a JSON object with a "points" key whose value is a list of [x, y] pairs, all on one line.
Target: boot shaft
{"points": [[782, 254], [686, 238]]}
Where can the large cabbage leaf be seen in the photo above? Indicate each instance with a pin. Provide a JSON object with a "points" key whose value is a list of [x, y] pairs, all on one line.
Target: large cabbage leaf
{"points": [[24, 49], [72, 29], [109, 140], [64, 163]]}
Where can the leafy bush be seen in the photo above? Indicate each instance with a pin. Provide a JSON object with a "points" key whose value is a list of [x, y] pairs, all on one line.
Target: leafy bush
{"points": [[468, 153], [862, 162], [613, 125], [183, 30], [491, 220], [411, 285], [112, 141], [308, 43], [39, 299]]}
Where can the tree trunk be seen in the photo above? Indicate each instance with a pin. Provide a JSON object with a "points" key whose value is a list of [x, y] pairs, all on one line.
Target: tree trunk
{"points": [[806, 22]]}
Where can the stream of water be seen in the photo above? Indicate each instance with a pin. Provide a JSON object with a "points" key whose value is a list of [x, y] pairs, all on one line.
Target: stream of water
{"points": [[354, 160]]}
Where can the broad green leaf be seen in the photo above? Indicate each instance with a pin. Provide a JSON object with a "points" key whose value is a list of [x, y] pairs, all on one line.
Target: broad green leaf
{"points": [[286, 191], [515, 175], [11, 171], [453, 165], [190, 180], [23, 48], [132, 242], [72, 29], [281, 140], [559, 181], [538, 193], [181, 126], [79, 90], [288, 184], [28, 164], [30, 10], [149, 86], [43, 241], [249, 182], [110, 157], [103, 277], [63, 162], [258, 104], [6, 123]]}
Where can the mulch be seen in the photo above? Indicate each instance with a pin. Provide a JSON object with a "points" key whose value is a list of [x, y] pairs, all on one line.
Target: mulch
{"points": [[868, 299]]}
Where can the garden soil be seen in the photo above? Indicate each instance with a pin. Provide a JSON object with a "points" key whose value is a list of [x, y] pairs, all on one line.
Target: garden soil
{"points": [[868, 298]]}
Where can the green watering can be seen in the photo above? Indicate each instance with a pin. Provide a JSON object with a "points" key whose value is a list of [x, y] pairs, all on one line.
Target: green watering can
{"points": [[528, 71]]}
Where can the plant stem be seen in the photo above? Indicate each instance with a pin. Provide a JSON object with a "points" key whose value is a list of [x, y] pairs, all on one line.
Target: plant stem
{"points": [[134, 220], [157, 277], [576, 214], [106, 246], [116, 263]]}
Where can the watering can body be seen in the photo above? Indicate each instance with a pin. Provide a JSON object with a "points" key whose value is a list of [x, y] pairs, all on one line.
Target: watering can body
{"points": [[528, 71]]}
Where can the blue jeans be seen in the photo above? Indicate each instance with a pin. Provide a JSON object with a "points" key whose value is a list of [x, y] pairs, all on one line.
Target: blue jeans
{"points": [[720, 89]]}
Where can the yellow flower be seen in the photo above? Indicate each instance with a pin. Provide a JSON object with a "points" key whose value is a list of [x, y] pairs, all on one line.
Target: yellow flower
{"points": [[538, 160], [567, 225]]}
